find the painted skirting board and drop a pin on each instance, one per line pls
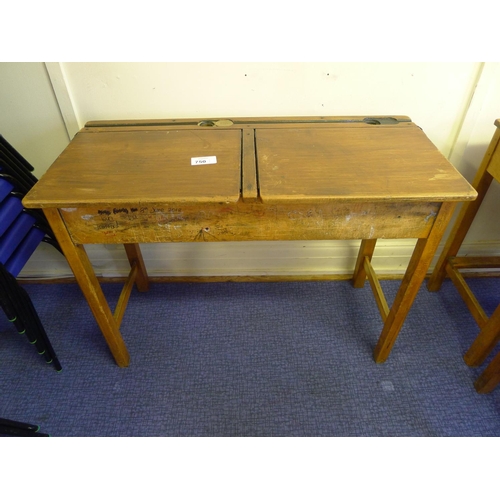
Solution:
(240, 258)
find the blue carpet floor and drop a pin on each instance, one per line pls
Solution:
(251, 359)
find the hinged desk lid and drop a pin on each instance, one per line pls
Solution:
(356, 163)
(137, 166)
(280, 160)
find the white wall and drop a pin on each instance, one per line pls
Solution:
(469, 150)
(454, 103)
(29, 114)
(435, 95)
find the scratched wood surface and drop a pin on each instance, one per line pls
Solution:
(278, 159)
(252, 121)
(248, 221)
(372, 163)
(124, 167)
(274, 179)
(249, 123)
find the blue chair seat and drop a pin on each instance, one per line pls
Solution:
(14, 235)
(21, 231)
(23, 252)
(5, 189)
(10, 208)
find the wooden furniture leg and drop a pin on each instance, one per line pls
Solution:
(378, 293)
(458, 233)
(365, 250)
(481, 183)
(485, 342)
(135, 258)
(490, 377)
(413, 278)
(85, 276)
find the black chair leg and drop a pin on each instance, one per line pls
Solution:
(15, 428)
(19, 309)
(36, 325)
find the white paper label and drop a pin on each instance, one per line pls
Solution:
(204, 160)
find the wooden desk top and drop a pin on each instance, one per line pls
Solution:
(318, 159)
(135, 166)
(357, 164)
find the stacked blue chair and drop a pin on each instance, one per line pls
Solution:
(21, 231)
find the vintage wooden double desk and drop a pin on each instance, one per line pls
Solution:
(246, 179)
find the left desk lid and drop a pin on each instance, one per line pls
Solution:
(143, 166)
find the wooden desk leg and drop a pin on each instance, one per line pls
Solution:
(86, 278)
(366, 250)
(415, 274)
(485, 342)
(135, 257)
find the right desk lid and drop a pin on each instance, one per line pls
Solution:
(356, 162)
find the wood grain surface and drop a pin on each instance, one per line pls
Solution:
(278, 160)
(280, 178)
(248, 222)
(357, 164)
(124, 167)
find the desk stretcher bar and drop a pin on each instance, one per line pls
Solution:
(247, 179)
